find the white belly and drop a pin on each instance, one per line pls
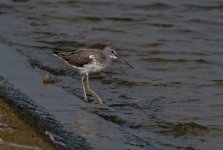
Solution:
(91, 68)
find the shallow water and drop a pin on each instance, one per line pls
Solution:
(173, 96)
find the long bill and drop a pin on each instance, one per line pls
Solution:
(125, 62)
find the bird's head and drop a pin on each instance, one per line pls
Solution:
(111, 52)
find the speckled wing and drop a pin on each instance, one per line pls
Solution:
(78, 58)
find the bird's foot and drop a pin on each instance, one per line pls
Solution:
(88, 99)
(100, 101)
(85, 99)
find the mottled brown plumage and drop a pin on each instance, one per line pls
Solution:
(77, 59)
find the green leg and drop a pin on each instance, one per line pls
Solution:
(82, 82)
(96, 95)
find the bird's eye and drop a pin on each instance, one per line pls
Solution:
(112, 52)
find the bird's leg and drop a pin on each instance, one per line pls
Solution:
(96, 95)
(82, 82)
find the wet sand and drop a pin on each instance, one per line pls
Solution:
(17, 135)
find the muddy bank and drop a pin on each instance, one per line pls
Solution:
(17, 135)
(37, 119)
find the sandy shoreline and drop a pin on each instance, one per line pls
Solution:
(15, 134)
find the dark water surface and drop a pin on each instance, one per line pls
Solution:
(172, 99)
